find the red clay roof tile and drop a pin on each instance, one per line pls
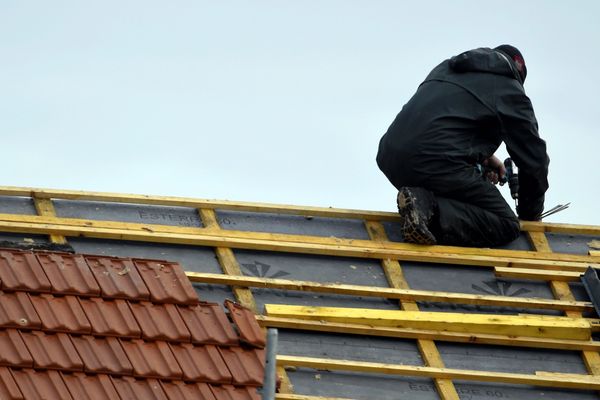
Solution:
(250, 332)
(201, 363)
(8, 387)
(102, 355)
(160, 322)
(208, 324)
(68, 274)
(151, 359)
(41, 384)
(52, 351)
(61, 313)
(131, 388)
(118, 278)
(228, 392)
(90, 387)
(110, 298)
(16, 311)
(110, 317)
(167, 282)
(246, 365)
(22, 271)
(13, 351)
(187, 391)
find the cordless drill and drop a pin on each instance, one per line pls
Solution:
(512, 177)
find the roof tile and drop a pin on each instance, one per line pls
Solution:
(246, 365)
(110, 317)
(201, 363)
(13, 351)
(93, 327)
(90, 387)
(21, 270)
(52, 351)
(68, 274)
(146, 389)
(102, 355)
(61, 313)
(16, 311)
(228, 392)
(118, 278)
(208, 323)
(187, 391)
(151, 359)
(8, 387)
(250, 332)
(160, 322)
(41, 384)
(167, 282)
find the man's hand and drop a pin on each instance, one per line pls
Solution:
(496, 168)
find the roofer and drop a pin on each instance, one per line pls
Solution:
(459, 116)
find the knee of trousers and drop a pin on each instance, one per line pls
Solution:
(511, 228)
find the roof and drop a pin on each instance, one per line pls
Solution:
(261, 254)
(76, 326)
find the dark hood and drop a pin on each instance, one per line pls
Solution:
(485, 60)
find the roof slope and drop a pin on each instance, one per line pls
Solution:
(291, 255)
(97, 327)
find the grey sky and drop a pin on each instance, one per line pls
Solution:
(270, 101)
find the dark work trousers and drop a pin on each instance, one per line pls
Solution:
(472, 212)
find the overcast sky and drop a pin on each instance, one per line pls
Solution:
(271, 101)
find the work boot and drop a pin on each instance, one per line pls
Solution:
(417, 207)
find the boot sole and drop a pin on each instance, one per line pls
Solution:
(414, 228)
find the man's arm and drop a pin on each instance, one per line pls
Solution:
(527, 149)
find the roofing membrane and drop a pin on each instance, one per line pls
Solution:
(324, 246)
(93, 327)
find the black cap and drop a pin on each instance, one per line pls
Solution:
(514, 53)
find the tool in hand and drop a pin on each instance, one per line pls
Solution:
(512, 178)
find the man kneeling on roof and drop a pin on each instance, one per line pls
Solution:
(457, 119)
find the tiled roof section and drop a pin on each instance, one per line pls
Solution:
(92, 327)
(90, 387)
(147, 389)
(250, 332)
(61, 313)
(110, 317)
(246, 366)
(52, 351)
(69, 274)
(151, 359)
(202, 363)
(188, 391)
(118, 278)
(8, 386)
(102, 355)
(208, 323)
(41, 384)
(167, 282)
(13, 351)
(160, 322)
(228, 392)
(22, 271)
(16, 311)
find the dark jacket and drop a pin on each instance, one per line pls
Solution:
(459, 116)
